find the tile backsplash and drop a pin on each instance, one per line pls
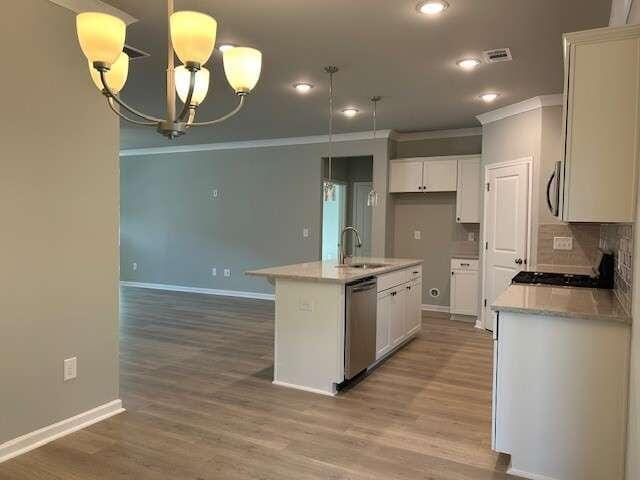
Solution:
(586, 237)
(618, 238)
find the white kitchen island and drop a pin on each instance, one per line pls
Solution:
(309, 351)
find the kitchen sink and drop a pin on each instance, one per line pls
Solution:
(363, 266)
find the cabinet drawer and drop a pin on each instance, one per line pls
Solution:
(464, 264)
(390, 280)
(414, 273)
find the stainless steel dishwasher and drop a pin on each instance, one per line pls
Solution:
(360, 326)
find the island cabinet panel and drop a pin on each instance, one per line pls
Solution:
(560, 395)
(397, 328)
(413, 310)
(383, 324)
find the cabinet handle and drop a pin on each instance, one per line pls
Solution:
(458, 219)
(408, 288)
(453, 273)
(393, 294)
(464, 264)
(416, 272)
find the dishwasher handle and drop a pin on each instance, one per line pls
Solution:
(363, 286)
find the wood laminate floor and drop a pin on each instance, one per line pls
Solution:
(196, 376)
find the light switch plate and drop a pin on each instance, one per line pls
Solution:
(227, 272)
(563, 243)
(214, 272)
(472, 236)
(305, 232)
(134, 266)
(70, 368)
(214, 193)
(417, 235)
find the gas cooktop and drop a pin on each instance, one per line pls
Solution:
(560, 279)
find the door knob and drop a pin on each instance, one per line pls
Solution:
(518, 261)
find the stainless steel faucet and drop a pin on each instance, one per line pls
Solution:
(343, 244)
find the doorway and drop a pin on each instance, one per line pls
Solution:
(353, 179)
(507, 229)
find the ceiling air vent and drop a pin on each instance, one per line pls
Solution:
(497, 55)
(134, 53)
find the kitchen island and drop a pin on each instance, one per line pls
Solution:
(310, 321)
(561, 359)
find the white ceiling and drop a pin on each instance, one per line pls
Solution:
(382, 47)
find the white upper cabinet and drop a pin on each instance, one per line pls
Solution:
(468, 198)
(601, 120)
(405, 176)
(440, 175)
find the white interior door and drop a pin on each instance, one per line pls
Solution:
(506, 227)
(362, 215)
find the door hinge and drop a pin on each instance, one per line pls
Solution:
(485, 302)
(486, 245)
(488, 187)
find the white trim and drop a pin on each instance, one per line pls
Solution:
(271, 142)
(481, 322)
(79, 6)
(431, 134)
(530, 476)
(206, 291)
(37, 438)
(435, 308)
(304, 389)
(520, 107)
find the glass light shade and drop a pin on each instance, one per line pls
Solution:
(242, 67)
(193, 36)
(116, 77)
(101, 36)
(183, 79)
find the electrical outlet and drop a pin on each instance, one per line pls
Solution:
(214, 272)
(563, 243)
(70, 368)
(134, 266)
(305, 232)
(214, 194)
(472, 236)
(227, 272)
(417, 235)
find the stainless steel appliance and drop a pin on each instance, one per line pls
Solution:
(360, 326)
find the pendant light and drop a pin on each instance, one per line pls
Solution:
(328, 187)
(372, 198)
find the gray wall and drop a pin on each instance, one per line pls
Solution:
(59, 210)
(434, 214)
(175, 233)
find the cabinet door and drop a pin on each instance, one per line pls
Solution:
(397, 329)
(383, 323)
(601, 131)
(440, 175)
(464, 292)
(405, 176)
(413, 307)
(468, 194)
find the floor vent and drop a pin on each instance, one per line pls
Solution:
(134, 53)
(497, 55)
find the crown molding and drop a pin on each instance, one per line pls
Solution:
(79, 6)
(434, 134)
(520, 107)
(271, 142)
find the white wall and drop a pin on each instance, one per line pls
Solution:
(59, 210)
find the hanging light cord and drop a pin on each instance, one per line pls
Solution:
(331, 72)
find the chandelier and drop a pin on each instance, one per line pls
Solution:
(192, 37)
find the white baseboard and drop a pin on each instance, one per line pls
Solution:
(206, 291)
(40, 437)
(435, 308)
(530, 476)
(305, 389)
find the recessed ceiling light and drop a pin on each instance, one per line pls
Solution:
(432, 7)
(489, 97)
(302, 87)
(350, 112)
(225, 47)
(468, 63)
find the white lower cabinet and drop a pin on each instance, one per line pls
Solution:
(399, 309)
(464, 287)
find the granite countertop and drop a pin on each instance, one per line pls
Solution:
(582, 303)
(329, 272)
